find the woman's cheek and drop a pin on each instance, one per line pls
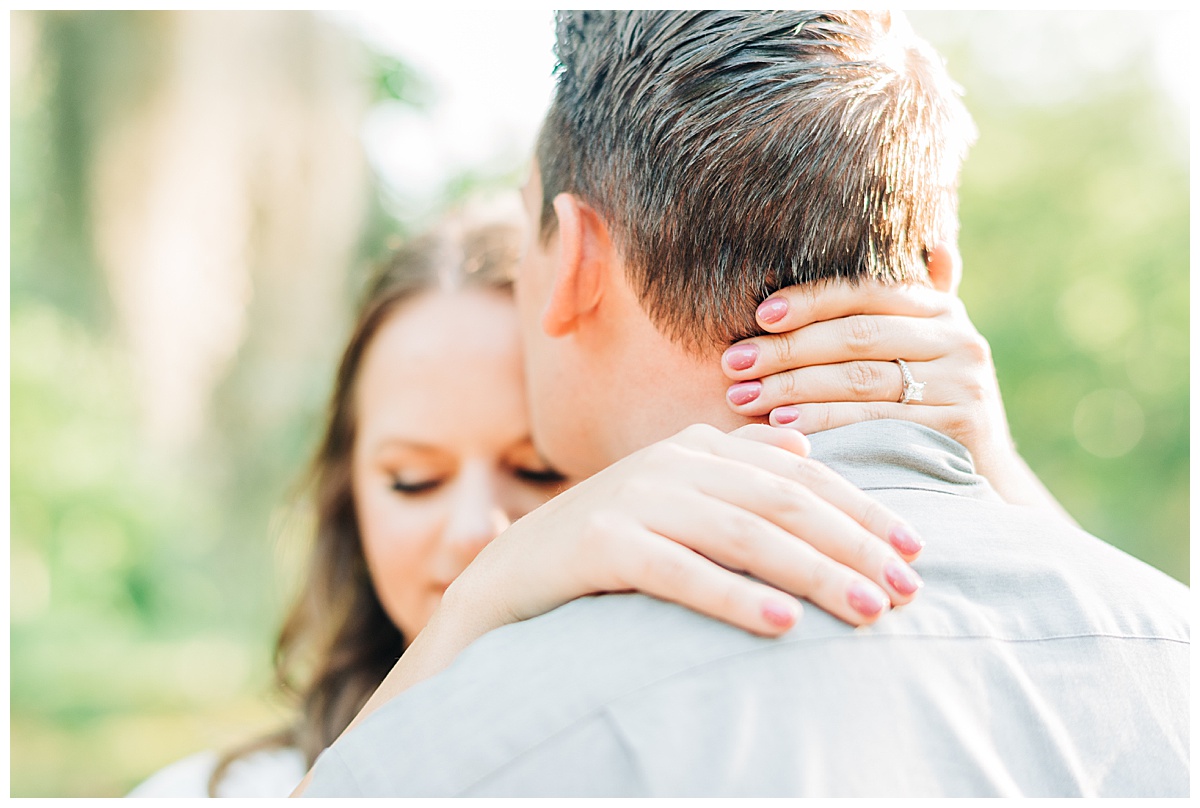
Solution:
(399, 541)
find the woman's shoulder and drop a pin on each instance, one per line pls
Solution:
(266, 773)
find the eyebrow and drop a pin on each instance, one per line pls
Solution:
(404, 443)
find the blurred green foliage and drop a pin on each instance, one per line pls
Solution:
(146, 592)
(396, 81)
(145, 597)
(1075, 243)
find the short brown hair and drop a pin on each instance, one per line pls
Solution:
(733, 153)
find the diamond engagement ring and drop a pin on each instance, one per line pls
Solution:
(913, 389)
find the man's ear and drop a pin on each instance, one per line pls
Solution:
(945, 266)
(585, 255)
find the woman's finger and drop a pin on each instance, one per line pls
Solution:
(801, 545)
(795, 443)
(798, 306)
(811, 418)
(740, 540)
(847, 382)
(768, 481)
(873, 337)
(659, 566)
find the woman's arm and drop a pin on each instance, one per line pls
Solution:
(682, 520)
(830, 361)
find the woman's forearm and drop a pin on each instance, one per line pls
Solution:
(431, 652)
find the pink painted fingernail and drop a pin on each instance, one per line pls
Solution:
(740, 357)
(744, 392)
(772, 310)
(779, 613)
(904, 540)
(902, 577)
(785, 415)
(866, 600)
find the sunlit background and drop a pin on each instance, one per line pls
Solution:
(196, 197)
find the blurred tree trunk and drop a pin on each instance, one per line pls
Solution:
(188, 200)
(226, 203)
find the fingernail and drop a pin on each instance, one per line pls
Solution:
(785, 415)
(744, 392)
(866, 600)
(779, 613)
(902, 577)
(772, 310)
(904, 540)
(740, 357)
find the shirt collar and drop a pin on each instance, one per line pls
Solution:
(900, 454)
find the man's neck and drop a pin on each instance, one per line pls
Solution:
(660, 386)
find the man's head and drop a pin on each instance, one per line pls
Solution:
(695, 162)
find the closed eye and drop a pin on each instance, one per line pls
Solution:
(415, 488)
(540, 476)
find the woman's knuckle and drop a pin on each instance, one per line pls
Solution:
(978, 349)
(876, 411)
(797, 512)
(726, 596)
(861, 553)
(668, 569)
(875, 515)
(801, 471)
(862, 334)
(779, 350)
(738, 547)
(974, 388)
(810, 474)
(957, 421)
(864, 379)
(820, 418)
(742, 529)
(786, 386)
(779, 491)
(817, 578)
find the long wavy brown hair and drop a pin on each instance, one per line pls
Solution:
(337, 642)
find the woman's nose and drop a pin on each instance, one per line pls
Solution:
(478, 515)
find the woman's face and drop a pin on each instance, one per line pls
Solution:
(442, 459)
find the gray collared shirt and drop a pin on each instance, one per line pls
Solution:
(1037, 660)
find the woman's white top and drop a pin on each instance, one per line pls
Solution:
(267, 773)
